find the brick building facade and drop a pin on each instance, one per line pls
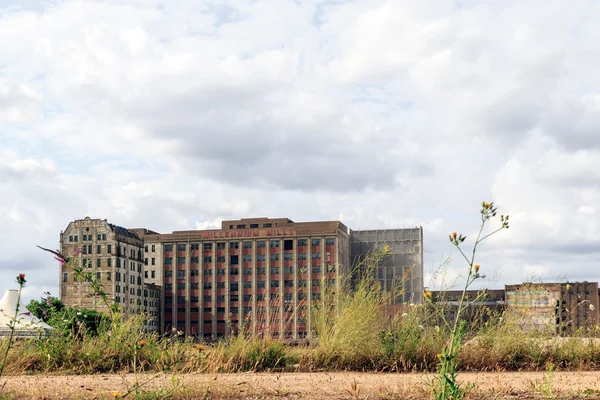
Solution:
(261, 275)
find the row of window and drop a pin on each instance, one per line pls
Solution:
(132, 291)
(235, 260)
(288, 244)
(262, 284)
(247, 310)
(88, 249)
(132, 252)
(153, 248)
(85, 238)
(86, 262)
(274, 243)
(246, 271)
(207, 299)
(152, 275)
(252, 226)
(98, 276)
(287, 297)
(235, 271)
(131, 301)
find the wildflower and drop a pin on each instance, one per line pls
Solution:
(427, 294)
(77, 251)
(60, 260)
(21, 279)
(28, 313)
(476, 267)
(456, 238)
(387, 249)
(592, 307)
(58, 255)
(404, 314)
(142, 343)
(116, 395)
(200, 347)
(79, 313)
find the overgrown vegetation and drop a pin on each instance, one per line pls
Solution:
(351, 328)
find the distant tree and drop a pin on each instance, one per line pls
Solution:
(52, 311)
(46, 308)
(77, 321)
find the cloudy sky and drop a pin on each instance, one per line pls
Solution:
(177, 114)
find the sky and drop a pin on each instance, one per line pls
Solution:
(174, 115)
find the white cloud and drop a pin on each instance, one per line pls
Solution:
(379, 113)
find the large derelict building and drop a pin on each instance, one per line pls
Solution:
(401, 271)
(260, 275)
(263, 275)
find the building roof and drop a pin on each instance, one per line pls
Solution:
(119, 230)
(27, 324)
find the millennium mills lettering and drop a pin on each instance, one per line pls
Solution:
(248, 233)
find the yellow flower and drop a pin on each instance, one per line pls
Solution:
(200, 347)
(142, 343)
(116, 395)
(476, 266)
(427, 294)
(453, 234)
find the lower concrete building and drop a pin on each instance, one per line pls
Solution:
(401, 270)
(480, 305)
(151, 307)
(564, 307)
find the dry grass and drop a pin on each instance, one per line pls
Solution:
(357, 338)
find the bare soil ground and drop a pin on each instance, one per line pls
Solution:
(322, 385)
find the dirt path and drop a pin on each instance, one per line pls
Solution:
(338, 385)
